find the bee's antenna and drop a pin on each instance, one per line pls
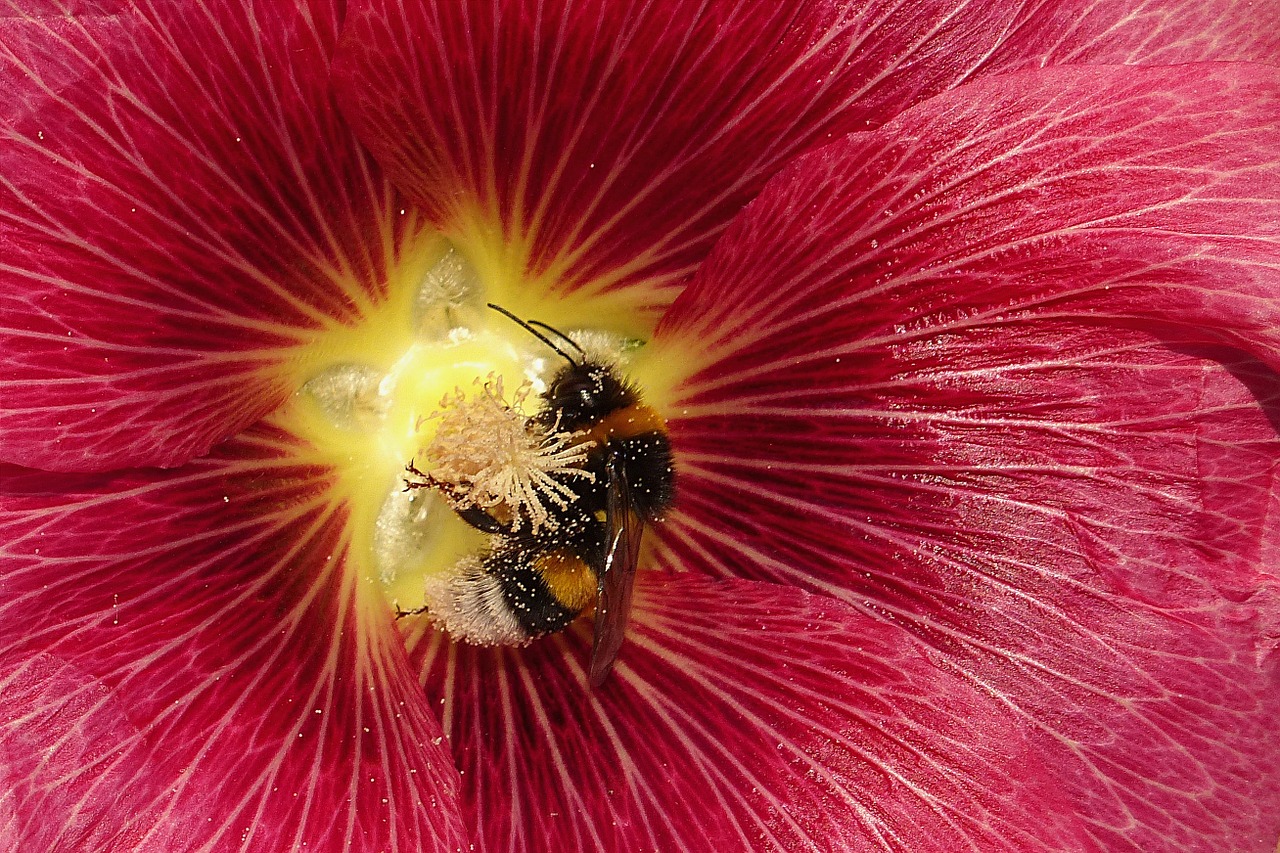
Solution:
(568, 340)
(531, 330)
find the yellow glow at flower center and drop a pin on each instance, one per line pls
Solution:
(372, 398)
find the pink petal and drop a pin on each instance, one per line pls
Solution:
(180, 211)
(605, 142)
(740, 716)
(1056, 32)
(190, 663)
(1005, 370)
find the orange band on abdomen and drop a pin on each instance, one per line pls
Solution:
(636, 419)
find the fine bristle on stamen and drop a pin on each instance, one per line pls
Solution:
(488, 454)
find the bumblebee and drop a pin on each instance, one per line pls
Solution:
(534, 579)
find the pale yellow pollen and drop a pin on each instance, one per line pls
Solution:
(487, 453)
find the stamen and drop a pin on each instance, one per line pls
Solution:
(488, 454)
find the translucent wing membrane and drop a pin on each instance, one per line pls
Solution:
(618, 574)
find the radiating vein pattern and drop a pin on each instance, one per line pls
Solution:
(1009, 378)
(741, 716)
(189, 664)
(607, 143)
(181, 210)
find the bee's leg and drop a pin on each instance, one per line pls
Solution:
(428, 482)
(473, 515)
(482, 521)
(400, 614)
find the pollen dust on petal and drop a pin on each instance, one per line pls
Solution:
(487, 453)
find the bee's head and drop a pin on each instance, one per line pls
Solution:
(583, 393)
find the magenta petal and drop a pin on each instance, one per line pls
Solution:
(609, 140)
(180, 210)
(1006, 370)
(1152, 32)
(1029, 270)
(1145, 195)
(741, 716)
(189, 664)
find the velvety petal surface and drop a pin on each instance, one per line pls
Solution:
(181, 211)
(593, 143)
(187, 662)
(1004, 370)
(740, 716)
(1139, 31)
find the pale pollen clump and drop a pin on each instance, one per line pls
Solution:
(487, 454)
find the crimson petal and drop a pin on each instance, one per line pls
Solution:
(189, 663)
(1006, 369)
(1054, 32)
(181, 209)
(605, 142)
(740, 716)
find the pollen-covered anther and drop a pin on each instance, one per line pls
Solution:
(487, 453)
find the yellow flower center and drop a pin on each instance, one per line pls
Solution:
(427, 360)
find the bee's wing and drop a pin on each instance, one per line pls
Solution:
(613, 586)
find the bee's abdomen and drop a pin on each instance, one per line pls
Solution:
(514, 595)
(544, 591)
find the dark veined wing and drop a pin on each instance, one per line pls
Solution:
(613, 585)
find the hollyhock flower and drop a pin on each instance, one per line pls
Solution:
(969, 366)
